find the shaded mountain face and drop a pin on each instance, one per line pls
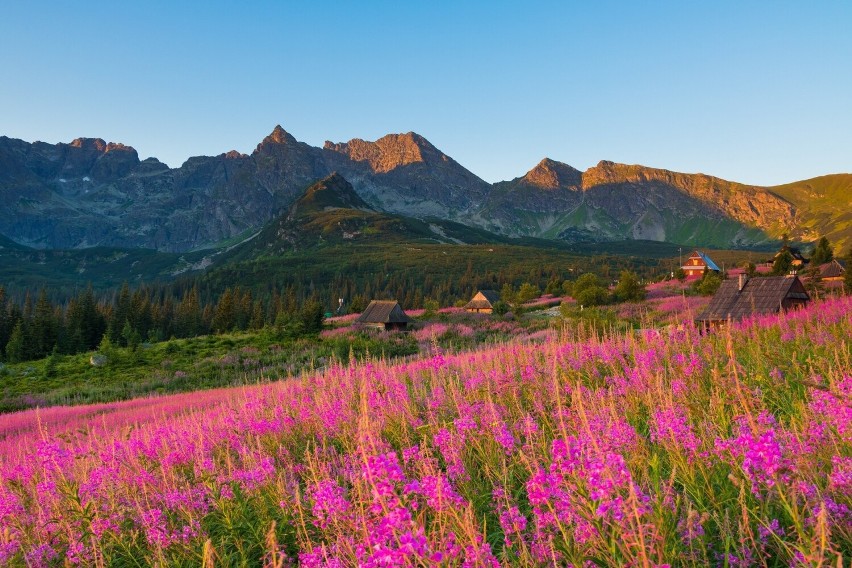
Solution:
(330, 193)
(330, 212)
(615, 201)
(90, 192)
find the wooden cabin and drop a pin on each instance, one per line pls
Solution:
(745, 297)
(833, 271)
(386, 315)
(483, 302)
(696, 264)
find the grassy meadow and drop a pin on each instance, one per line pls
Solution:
(568, 447)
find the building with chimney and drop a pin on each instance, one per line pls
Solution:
(745, 297)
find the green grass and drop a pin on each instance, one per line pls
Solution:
(180, 365)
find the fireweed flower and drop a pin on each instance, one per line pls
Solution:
(512, 521)
(330, 504)
(759, 454)
(670, 427)
(393, 487)
(450, 445)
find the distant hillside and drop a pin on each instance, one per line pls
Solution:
(616, 201)
(63, 271)
(92, 193)
(825, 208)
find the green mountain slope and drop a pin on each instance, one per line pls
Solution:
(824, 207)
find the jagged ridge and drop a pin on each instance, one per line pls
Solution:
(90, 192)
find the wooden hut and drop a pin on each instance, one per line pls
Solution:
(385, 315)
(697, 263)
(744, 297)
(483, 302)
(833, 271)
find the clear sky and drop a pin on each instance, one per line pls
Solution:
(759, 92)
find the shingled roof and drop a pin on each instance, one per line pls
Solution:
(491, 298)
(384, 311)
(833, 269)
(758, 296)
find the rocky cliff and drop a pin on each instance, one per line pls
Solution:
(90, 192)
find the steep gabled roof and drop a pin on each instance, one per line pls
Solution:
(758, 296)
(491, 295)
(477, 303)
(384, 311)
(833, 269)
(708, 261)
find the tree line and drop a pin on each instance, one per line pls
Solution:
(36, 328)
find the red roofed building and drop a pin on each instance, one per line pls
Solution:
(697, 263)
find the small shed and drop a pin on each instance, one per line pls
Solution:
(385, 315)
(483, 302)
(833, 271)
(744, 297)
(696, 264)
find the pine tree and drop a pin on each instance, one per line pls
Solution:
(44, 327)
(223, 318)
(188, 315)
(257, 316)
(16, 349)
(120, 314)
(814, 284)
(822, 252)
(140, 312)
(130, 336)
(311, 317)
(783, 263)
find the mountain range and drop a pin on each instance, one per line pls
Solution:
(92, 193)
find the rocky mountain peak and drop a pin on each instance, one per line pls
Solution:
(97, 144)
(331, 192)
(279, 136)
(550, 174)
(233, 155)
(118, 147)
(389, 152)
(607, 172)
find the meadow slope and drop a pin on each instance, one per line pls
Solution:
(646, 449)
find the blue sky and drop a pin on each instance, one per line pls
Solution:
(759, 92)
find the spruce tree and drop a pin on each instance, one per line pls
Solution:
(783, 263)
(823, 252)
(120, 314)
(16, 348)
(224, 316)
(44, 327)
